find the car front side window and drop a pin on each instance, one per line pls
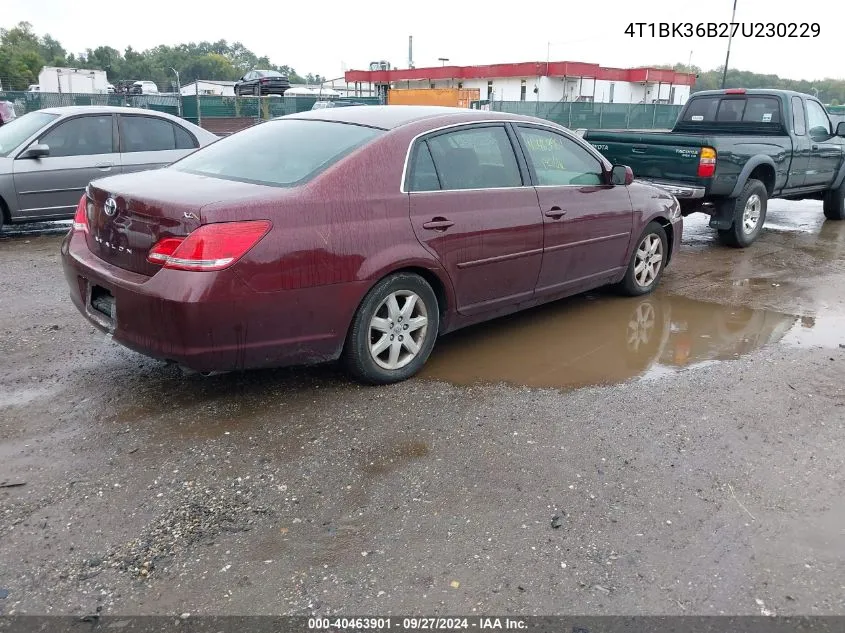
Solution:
(818, 123)
(81, 136)
(560, 161)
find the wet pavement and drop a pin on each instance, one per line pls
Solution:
(673, 454)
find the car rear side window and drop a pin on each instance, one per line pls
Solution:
(423, 174)
(799, 123)
(475, 158)
(282, 153)
(81, 136)
(151, 134)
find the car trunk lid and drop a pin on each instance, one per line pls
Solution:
(128, 215)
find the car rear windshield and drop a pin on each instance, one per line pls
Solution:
(18, 130)
(733, 109)
(281, 153)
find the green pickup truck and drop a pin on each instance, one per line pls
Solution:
(733, 150)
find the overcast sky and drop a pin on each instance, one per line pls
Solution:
(325, 36)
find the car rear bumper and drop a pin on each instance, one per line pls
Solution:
(206, 321)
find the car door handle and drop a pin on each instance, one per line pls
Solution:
(555, 213)
(104, 166)
(438, 224)
(815, 146)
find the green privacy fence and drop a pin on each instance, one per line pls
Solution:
(28, 101)
(196, 108)
(211, 106)
(635, 116)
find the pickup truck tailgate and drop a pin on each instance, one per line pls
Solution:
(654, 155)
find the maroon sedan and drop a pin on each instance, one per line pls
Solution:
(358, 233)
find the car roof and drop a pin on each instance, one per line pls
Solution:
(392, 116)
(101, 109)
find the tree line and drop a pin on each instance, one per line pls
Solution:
(828, 91)
(23, 53)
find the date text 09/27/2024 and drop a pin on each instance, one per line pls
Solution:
(724, 29)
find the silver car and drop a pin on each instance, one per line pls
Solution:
(49, 156)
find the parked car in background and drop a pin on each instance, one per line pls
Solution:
(48, 157)
(262, 82)
(732, 150)
(34, 88)
(358, 233)
(143, 88)
(7, 112)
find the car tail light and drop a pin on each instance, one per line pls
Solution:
(735, 91)
(80, 218)
(210, 247)
(707, 162)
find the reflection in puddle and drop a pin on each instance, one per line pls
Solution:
(581, 342)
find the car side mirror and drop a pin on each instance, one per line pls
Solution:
(840, 128)
(38, 150)
(621, 175)
(820, 132)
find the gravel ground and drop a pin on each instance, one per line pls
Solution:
(706, 480)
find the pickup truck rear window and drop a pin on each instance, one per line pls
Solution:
(732, 109)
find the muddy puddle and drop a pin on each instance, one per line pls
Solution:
(603, 340)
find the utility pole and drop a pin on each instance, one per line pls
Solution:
(178, 91)
(728, 56)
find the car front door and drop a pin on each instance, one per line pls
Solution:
(825, 148)
(82, 149)
(587, 222)
(148, 142)
(472, 206)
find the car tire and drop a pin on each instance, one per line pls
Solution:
(749, 214)
(378, 337)
(834, 203)
(644, 268)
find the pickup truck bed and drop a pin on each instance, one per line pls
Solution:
(731, 151)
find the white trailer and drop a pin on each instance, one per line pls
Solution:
(72, 80)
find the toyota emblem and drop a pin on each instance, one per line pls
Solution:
(110, 207)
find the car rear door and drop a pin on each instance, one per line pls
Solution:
(472, 206)
(149, 142)
(587, 222)
(82, 149)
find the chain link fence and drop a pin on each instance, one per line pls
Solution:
(232, 113)
(576, 114)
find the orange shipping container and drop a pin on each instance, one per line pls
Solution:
(451, 97)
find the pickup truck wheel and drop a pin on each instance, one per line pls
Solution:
(647, 262)
(749, 213)
(834, 203)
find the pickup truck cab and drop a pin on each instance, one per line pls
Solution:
(731, 151)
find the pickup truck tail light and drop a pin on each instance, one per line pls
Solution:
(707, 162)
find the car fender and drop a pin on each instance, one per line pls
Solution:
(751, 165)
(398, 257)
(8, 196)
(840, 177)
